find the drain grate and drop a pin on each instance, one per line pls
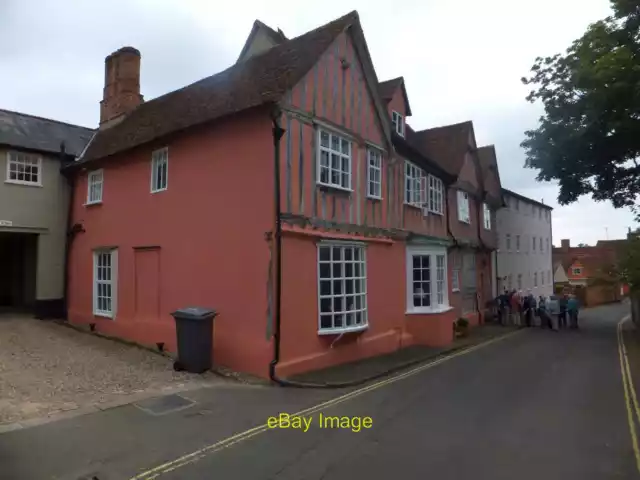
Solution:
(164, 405)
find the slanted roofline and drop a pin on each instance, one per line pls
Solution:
(511, 193)
(389, 87)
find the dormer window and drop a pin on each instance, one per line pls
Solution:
(398, 123)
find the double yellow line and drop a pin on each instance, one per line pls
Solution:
(630, 397)
(228, 442)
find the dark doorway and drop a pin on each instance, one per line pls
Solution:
(18, 260)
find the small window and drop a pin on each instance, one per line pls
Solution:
(517, 243)
(577, 270)
(541, 279)
(436, 195)
(414, 192)
(486, 213)
(342, 288)
(104, 282)
(94, 187)
(455, 273)
(24, 168)
(547, 241)
(519, 281)
(463, 207)
(398, 123)
(159, 170)
(535, 279)
(335, 161)
(533, 243)
(510, 282)
(427, 280)
(541, 246)
(374, 173)
(508, 242)
(517, 205)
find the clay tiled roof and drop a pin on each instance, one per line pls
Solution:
(488, 166)
(446, 145)
(259, 80)
(387, 88)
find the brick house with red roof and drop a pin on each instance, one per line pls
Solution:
(589, 270)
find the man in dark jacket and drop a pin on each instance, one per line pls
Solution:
(562, 317)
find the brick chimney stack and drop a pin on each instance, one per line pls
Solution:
(565, 245)
(121, 85)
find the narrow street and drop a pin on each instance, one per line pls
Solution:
(534, 405)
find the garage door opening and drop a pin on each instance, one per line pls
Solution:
(18, 260)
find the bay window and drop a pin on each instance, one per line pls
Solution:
(427, 290)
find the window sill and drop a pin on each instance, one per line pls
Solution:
(432, 311)
(340, 331)
(334, 188)
(159, 190)
(413, 205)
(103, 315)
(24, 184)
(455, 290)
(91, 204)
(466, 222)
(374, 199)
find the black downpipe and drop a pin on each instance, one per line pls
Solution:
(448, 221)
(278, 133)
(70, 177)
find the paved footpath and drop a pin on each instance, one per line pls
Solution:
(537, 404)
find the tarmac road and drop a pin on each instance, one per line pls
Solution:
(534, 405)
(537, 405)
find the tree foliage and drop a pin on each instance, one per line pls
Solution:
(589, 136)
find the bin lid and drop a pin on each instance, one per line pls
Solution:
(195, 313)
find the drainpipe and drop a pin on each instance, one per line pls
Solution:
(70, 177)
(277, 132)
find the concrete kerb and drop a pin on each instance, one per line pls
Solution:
(400, 367)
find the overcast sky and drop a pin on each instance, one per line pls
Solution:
(461, 60)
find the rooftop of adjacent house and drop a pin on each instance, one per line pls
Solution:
(446, 145)
(259, 80)
(275, 36)
(511, 193)
(20, 130)
(388, 88)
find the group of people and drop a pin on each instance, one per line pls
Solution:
(554, 312)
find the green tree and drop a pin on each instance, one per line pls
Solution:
(588, 139)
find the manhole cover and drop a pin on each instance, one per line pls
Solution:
(164, 405)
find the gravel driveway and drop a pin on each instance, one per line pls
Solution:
(47, 368)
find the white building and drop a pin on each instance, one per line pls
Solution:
(525, 242)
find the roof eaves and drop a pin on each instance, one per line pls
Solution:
(525, 199)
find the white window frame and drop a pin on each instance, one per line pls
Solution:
(414, 185)
(95, 186)
(463, 207)
(398, 123)
(486, 213)
(455, 272)
(358, 282)
(439, 297)
(341, 156)
(112, 282)
(159, 158)
(436, 195)
(374, 169)
(23, 159)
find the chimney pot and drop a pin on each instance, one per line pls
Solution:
(121, 93)
(565, 244)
